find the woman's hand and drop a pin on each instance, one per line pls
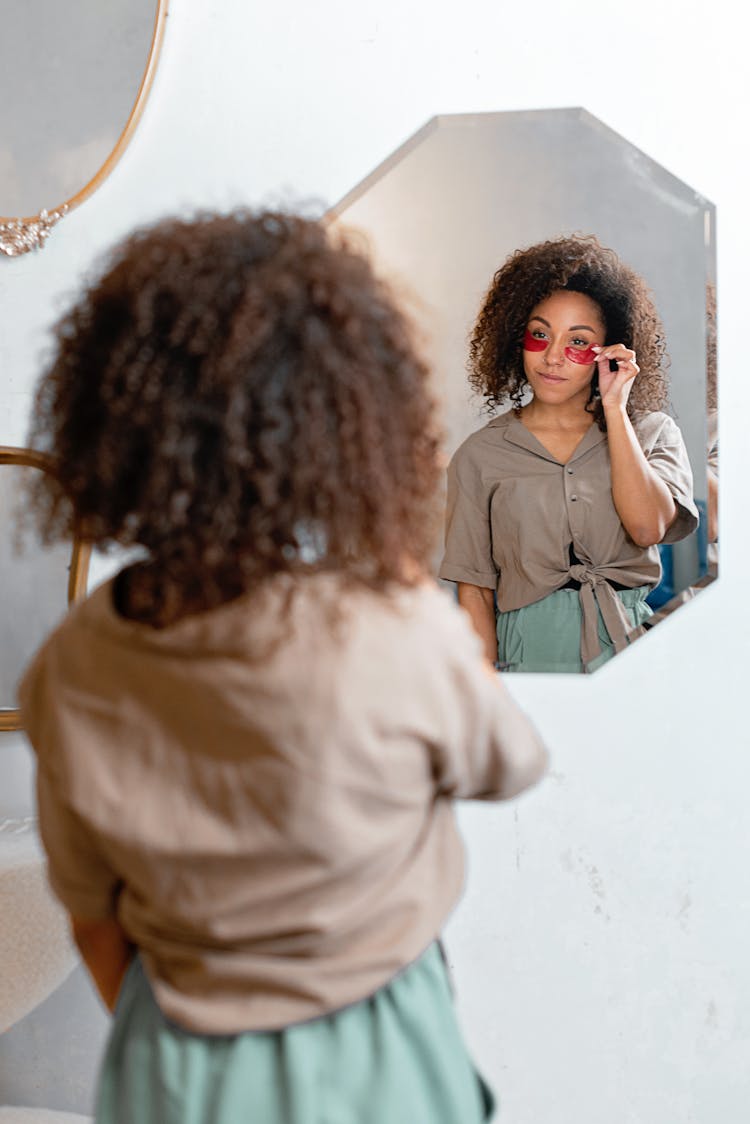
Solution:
(615, 386)
(106, 952)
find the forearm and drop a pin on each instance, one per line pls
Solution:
(643, 501)
(106, 952)
(479, 603)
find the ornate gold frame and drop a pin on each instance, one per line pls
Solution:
(20, 235)
(10, 718)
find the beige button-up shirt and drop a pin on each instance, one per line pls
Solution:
(269, 813)
(514, 511)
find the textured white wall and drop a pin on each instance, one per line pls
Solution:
(601, 949)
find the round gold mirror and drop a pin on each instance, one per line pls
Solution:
(80, 73)
(38, 583)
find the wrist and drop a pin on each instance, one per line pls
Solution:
(614, 411)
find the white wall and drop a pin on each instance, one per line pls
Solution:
(601, 949)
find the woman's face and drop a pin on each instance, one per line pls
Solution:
(557, 357)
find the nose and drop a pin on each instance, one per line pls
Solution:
(554, 356)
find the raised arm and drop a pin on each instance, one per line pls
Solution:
(643, 501)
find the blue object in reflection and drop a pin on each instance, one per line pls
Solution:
(665, 590)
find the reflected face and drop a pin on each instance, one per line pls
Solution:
(557, 357)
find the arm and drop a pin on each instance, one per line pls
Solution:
(487, 748)
(468, 559)
(106, 952)
(643, 501)
(479, 603)
(85, 883)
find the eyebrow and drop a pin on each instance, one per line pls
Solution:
(574, 328)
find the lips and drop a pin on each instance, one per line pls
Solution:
(551, 378)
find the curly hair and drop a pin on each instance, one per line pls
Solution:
(582, 265)
(239, 395)
(712, 390)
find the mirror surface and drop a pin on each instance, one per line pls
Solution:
(443, 213)
(37, 583)
(76, 75)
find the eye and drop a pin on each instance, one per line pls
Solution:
(578, 342)
(538, 333)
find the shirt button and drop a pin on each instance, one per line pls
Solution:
(570, 471)
(574, 498)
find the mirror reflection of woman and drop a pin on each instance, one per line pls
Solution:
(556, 507)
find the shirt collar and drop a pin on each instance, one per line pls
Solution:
(517, 434)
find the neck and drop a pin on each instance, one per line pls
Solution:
(567, 415)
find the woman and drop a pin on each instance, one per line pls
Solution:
(249, 742)
(556, 507)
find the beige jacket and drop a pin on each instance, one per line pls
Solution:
(273, 826)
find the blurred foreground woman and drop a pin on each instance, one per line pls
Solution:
(249, 742)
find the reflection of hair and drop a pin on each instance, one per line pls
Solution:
(581, 265)
(712, 397)
(235, 391)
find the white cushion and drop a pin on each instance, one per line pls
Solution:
(36, 951)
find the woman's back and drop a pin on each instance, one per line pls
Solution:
(265, 799)
(248, 744)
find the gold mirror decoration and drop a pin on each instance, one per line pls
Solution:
(74, 69)
(38, 583)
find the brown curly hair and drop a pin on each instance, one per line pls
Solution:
(582, 265)
(712, 390)
(239, 395)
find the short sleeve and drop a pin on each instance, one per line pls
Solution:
(491, 750)
(77, 870)
(468, 539)
(78, 873)
(668, 458)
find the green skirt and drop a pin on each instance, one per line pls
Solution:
(394, 1058)
(546, 636)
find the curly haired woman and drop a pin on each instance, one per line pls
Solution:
(249, 742)
(556, 507)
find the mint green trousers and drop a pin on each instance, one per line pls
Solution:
(546, 636)
(394, 1058)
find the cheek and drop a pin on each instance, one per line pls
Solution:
(531, 343)
(577, 355)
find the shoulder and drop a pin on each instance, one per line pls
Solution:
(436, 608)
(490, 436)
(49, 681)
(427, 613)
(655, 428)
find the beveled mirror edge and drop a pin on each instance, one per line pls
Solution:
(578, 112)
(124, 138)
(10, 718)
(668, 180)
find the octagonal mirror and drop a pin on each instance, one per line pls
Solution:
(78, 75)
(444, 212)
(38, 583)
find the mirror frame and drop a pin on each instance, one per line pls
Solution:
(337, 216)
(19, 234)
(10, 717)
